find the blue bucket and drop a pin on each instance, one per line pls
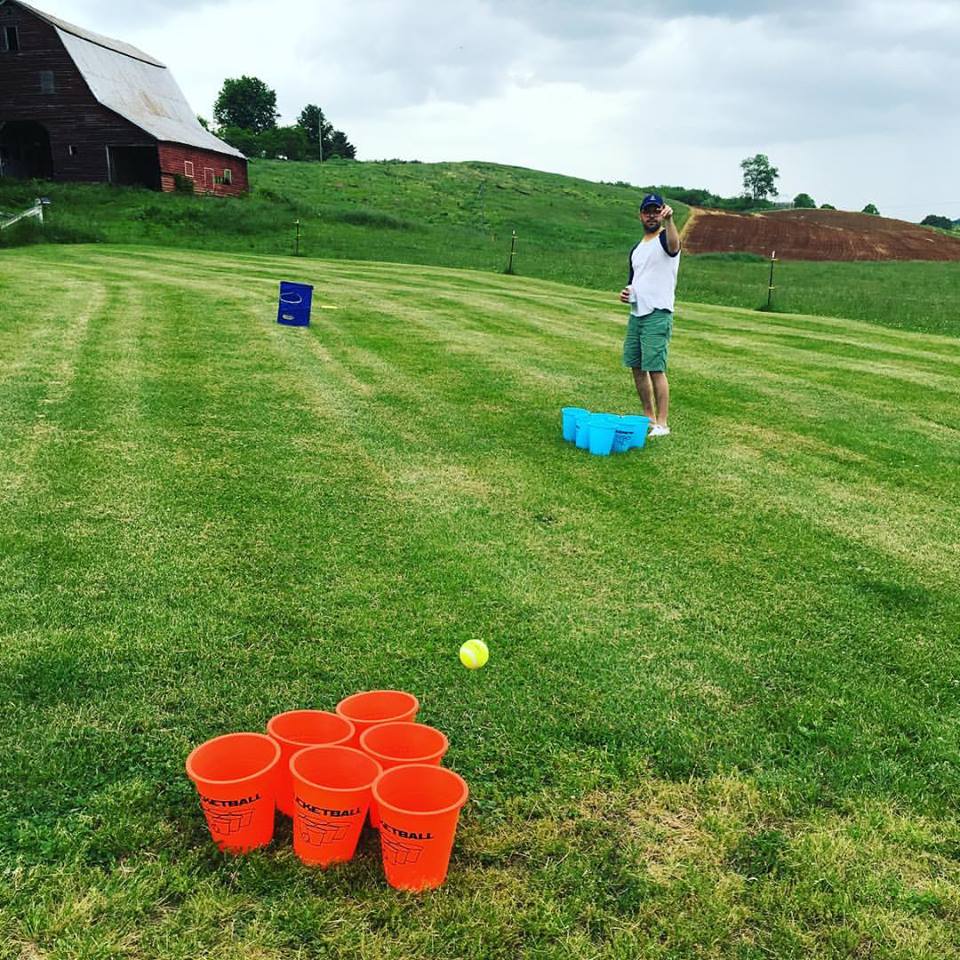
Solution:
(569, 415)
(639, 427)
(582, 436)
(622, 436)
(602, 428)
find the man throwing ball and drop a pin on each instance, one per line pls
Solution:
(650, 290)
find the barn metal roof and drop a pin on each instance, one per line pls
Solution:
(134, 85)
(90, 36)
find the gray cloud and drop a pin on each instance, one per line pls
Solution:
(141, 15)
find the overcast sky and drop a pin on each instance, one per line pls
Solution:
(854, 101)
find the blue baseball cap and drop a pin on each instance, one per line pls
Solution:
(651, 200)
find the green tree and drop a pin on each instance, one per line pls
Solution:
(246, 141)
(804, 201)
(317, 129)
(933, 220)
(871, 208)
(759, 177)
(326, 141)
(827, 206)
(285, 143)
(247, 103)
(340, 146)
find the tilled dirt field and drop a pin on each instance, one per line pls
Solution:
(816, 235)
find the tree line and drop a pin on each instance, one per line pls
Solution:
(759, 183)
(759, 190)
(759, 178)
(245, 114)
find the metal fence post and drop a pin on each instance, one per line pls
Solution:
(513, 250)
(773, 260)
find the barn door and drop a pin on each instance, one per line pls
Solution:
(134, 165)
(208, 178)
(25, 150)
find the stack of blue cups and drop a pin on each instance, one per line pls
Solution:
(603, 433)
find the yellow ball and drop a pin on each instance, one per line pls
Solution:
(474, 654)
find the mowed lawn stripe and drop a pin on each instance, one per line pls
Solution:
(40, 348)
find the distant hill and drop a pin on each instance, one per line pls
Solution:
(817, 235)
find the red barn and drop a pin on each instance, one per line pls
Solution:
(78, 106)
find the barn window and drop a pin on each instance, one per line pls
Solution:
(46, 81)
(188, 168)
(9, 40)
(227, 175)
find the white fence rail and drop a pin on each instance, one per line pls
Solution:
(8, 220)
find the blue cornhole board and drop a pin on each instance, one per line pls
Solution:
(294, 307)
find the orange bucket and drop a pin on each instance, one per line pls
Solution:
(419, 807)
(297, 729)
(394, 744)
(364, 710)
(331, 796)
(236, 777)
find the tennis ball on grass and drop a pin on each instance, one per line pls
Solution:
(474, 654)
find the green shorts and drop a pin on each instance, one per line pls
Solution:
(647, 340)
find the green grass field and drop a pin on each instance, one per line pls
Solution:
(909, 295)
(721, 714)
(462, 215)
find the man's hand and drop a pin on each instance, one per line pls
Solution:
(625, 295)
(670, 230)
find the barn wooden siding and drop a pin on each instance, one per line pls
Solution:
(208, 170)
(71, 115)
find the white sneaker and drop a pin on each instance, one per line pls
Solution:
(659, 430)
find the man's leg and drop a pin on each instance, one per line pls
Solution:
(661, 392)
(645, 389)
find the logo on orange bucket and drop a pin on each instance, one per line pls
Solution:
(319, 832)
(327, 811)
(406, 835)
(400, 853)
(227, 823)
(242, 802)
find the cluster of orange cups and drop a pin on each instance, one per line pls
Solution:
(328, 771)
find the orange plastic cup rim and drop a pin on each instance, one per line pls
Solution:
(323, 786)
(405, 761)
(429, 770)
(198, 778)
(309, 743)
(343, 705)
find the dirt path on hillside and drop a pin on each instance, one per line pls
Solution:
(688, 224)
(815, 235)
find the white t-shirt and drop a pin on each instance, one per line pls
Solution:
(653, 276)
